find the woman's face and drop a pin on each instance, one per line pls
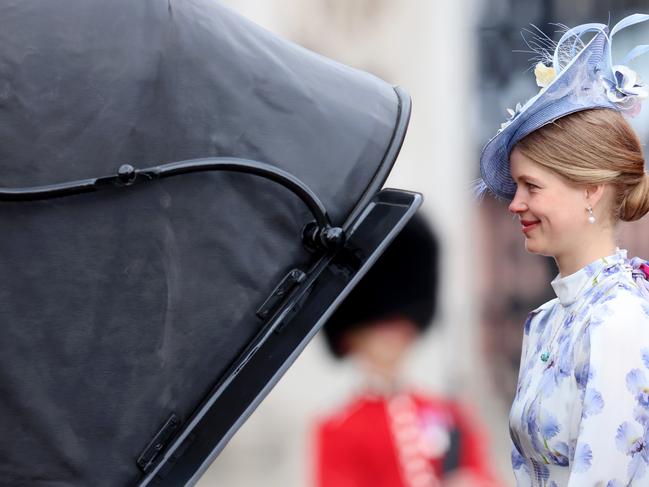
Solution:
(552, 211)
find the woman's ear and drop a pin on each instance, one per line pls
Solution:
(595, 193)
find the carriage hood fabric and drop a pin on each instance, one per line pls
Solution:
(121, 307)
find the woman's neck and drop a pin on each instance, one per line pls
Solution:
(571, 261)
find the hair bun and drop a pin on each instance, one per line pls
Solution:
(636, 201)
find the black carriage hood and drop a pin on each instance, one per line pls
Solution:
(86, 86)
(123, 308)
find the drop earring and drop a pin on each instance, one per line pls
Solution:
(591, 217)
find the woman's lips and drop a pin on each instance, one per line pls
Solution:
(529, 225)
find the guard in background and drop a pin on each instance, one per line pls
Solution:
(390, 435)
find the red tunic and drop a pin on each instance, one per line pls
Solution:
(401, 441)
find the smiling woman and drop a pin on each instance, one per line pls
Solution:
(584, 168)
(573, 168)
(592, 147)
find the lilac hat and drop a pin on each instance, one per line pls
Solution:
(575, 77)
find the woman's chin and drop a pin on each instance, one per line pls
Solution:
(533, 247)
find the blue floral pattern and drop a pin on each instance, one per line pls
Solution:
(581, 412)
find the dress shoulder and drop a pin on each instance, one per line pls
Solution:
(537, 318)
(545, 306)
(624, 304)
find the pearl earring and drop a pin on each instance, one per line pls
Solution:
(591, 217)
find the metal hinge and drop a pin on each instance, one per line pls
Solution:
(290, 280)
(146, 459)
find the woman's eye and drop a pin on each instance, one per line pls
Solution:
(532, 186)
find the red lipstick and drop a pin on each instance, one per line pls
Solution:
(529, 225)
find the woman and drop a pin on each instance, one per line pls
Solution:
(573, 168)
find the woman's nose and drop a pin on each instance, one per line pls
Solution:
(517, 205)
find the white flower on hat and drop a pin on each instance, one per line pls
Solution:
(513, 113)
(625, 89)
(544, 74)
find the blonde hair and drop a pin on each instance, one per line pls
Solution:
(593, 147)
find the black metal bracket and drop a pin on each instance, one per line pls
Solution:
(324, 236)
(292, 279)
(147, 458)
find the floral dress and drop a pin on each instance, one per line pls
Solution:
(581, 412)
